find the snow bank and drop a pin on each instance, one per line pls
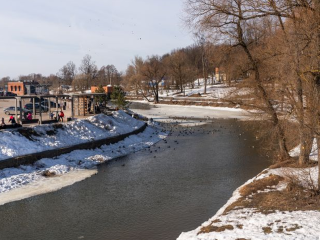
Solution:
(45, 137)
(249, 224)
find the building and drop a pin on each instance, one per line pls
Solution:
(107, 89)
(219, 76)
(16, 87)
(27, 87)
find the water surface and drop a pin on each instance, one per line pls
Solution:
(154, 194)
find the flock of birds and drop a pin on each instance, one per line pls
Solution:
(175, 130)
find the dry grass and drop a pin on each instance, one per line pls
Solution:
(259, 185)
(212, 228)
(195, 95)
(48, 173)
(291, 199)
(267, 230)
(293, 163)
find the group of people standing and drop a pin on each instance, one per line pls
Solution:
(59, 116)
(28, 117)
(12, 120)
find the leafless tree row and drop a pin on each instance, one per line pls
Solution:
(81, 78)
(174, 70)
(279, 44)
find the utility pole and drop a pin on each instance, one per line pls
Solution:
(204, 63)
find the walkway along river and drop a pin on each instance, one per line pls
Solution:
(154, 194)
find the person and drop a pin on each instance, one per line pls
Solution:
(61, 115)
(2, 123)
(89, 106)
(51, 115)
(25, 115)
(12, 120)
(29, 116)
(97, 110)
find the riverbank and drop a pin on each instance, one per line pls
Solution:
(272, 205)
(27, 180)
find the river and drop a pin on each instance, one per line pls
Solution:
(153, 194)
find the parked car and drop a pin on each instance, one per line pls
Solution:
(52, 104)
(9, 94)
(29, 106)
(11, 110)
(45, 102)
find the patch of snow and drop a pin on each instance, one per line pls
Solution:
(249, 224)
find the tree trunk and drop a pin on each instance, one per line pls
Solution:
(156, 94)
(283, 150)
(305, 145)
(282, 142)
(317, 15)
(318, 147)
(204, 74)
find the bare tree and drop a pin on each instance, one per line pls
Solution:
(67, 73)
(180, 68)
(201, 42)
(133, 76)
(234, 21)
(80, 82)
(88, 69)
(4, 81)
(153, 71)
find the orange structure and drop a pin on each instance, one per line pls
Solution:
(27, 87)
(16, 87)
(107, 89)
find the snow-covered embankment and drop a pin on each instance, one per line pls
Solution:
(29, 180)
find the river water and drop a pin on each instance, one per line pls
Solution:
(154, 194)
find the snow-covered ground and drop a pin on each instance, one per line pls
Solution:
(49, 136)
(26, 181)
(215, 91)
(163, 112)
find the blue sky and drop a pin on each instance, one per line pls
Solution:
(40, 36)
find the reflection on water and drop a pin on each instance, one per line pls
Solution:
(154, 194)
(140, 105)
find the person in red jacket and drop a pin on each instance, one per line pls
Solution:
(61, 116)
(12, 120)
(29, 116)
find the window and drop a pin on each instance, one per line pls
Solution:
(15, 88)
(11, 88)
(19, 88)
